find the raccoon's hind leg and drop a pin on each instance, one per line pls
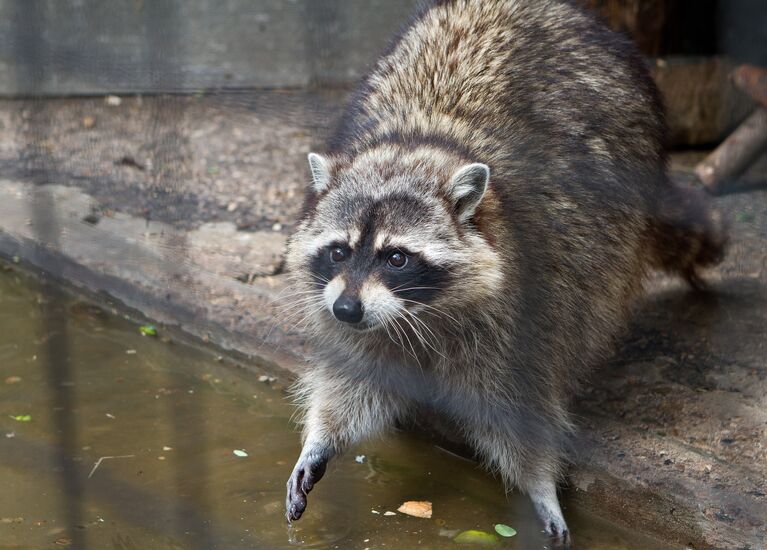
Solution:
(339, 413)
(688, 234)
(542, 490)
(532, 468)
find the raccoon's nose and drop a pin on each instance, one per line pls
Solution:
(348, 309)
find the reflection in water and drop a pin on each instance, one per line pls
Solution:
(176, 414)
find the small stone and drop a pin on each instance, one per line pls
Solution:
(113, 100)
(11, 520)
(359, 459)
(232, 206)
(88, 122)
(13, 380)
(415, 508)
(277, 227)
(390, 513)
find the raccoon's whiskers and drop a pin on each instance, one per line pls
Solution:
(434, 310)
(308, 313)
(407, 338)
(293, 310)
(398, 289)
(424, 333)
(386, 323)
(305, 307)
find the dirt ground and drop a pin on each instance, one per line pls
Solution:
(184, 160)
(681, 410)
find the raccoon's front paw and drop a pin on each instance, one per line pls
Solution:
(557, 530)
(308, 471)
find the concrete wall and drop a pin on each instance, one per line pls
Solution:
(97, 46)
(60, 47)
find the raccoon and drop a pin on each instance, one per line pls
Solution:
(476, 232)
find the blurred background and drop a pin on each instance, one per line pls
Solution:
(283, 65)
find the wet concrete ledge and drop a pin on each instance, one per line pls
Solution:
(673, 438)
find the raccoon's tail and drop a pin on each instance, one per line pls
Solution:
(689, 235)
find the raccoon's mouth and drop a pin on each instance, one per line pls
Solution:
(362, 326)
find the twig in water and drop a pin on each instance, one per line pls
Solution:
(98, 462)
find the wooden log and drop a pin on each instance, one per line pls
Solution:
(702, 103)
(735, 154)
(752, 80)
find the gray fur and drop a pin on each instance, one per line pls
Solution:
(539, 267)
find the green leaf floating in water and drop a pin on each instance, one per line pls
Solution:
(22, 418)
(148, 330)
(505, 530)
(473, 536)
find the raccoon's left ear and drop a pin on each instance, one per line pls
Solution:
(467, 187)
(320, 172)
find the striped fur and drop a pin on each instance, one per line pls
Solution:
(529, 279)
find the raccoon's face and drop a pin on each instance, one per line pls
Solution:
(379, 248)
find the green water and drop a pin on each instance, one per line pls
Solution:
(173, 415)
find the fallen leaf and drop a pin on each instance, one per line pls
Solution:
(415, 508)
(505, 530)
(148, 330)
(473, 536)
(22, 418)
(13, 380)
(240, 453)
(88, 121)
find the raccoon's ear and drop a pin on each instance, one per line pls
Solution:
(320, 172)
(467, 187)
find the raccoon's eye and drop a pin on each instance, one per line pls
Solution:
(338, 254)
(397, 260)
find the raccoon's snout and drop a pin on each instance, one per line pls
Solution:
(348, 309)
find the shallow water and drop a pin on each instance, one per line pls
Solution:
(172, 415)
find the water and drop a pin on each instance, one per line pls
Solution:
(172, 414)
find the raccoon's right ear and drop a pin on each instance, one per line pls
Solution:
(467, 187)
(320, 172)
